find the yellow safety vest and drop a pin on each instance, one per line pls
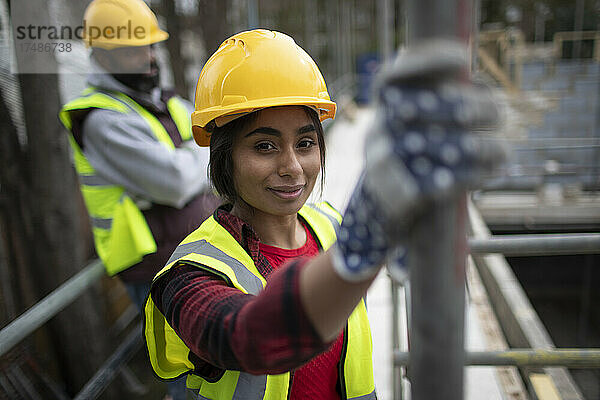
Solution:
(212, 248)
(121, 233)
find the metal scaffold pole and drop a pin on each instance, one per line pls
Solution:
(437, 248)
(385, 28)
(253, 20)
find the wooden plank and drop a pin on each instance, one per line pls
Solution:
(544, 387)
(508, 377)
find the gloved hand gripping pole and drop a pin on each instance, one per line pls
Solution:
(432, 145)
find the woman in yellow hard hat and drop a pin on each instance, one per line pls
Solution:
(265, 299)
(260, 101)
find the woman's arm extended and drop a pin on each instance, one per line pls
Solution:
(327, 299)
(226, 329)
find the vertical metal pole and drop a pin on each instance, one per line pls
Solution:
(541, 13)
(384, 15)
(437, 249)
(578, 27)
(345, 40)
(252, 14)
(437, 283)
(352, 43)
(476, 21)
(339, 47)
(310, 15)
(396, 369)
(8, 295)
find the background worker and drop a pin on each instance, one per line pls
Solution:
(265, 299)
(142, 178)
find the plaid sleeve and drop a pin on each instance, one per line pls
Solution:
(227, 329)
(272, 332)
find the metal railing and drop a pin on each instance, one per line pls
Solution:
(508, 245)
(105, 375)
(534, 245)
(571, 358)
(51, 305)
(48, 307)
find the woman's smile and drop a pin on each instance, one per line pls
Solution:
(287, 192)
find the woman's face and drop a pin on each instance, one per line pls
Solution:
(276, 160)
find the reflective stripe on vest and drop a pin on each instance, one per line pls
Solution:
(236, 385)
(370, 396)
(250, 282)
(212, 248)
(121, 234)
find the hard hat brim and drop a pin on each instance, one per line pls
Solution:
(200, 119)
(109, 44)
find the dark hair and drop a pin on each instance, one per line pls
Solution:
(220, 166)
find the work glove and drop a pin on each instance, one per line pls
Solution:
(423, 149)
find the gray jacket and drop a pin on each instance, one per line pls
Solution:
(123, 150)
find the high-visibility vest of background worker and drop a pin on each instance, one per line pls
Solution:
(142, 177)
(265, 299)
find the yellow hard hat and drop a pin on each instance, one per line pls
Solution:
(253, 70)
(109, 24)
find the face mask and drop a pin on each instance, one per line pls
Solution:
(144, 82)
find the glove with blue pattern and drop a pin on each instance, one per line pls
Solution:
(423, 150)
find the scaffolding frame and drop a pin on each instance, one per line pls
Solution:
(542, 353)
(438, 259)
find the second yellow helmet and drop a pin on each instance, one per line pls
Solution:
(109, 24)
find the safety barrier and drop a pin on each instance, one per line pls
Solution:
(542, 353)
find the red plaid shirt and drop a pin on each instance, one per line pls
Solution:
(227, 329)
